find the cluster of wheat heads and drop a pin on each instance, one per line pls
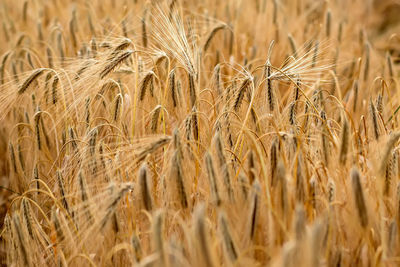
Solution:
(199, 133)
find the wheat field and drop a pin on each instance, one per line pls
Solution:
(199, 133)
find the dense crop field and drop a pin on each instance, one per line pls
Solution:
(199, 133)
